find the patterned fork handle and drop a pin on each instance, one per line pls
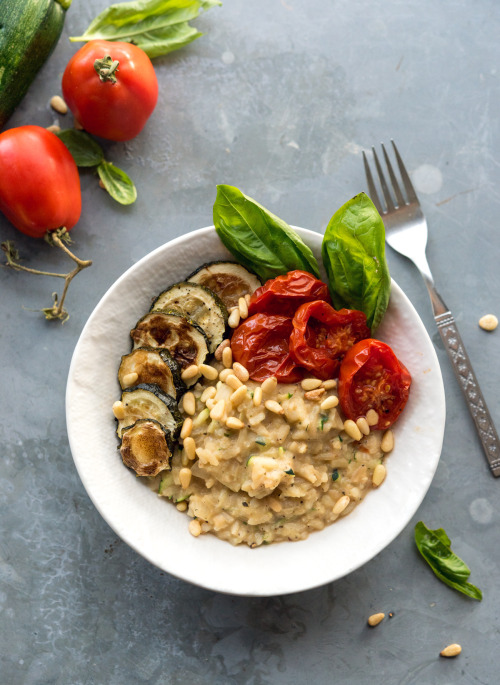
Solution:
(466, 377)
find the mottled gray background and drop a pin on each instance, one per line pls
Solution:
(278, 98)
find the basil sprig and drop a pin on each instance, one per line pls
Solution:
(156, 26)
(435, 547)
(259, 240)
(88, 153)
(353, 252)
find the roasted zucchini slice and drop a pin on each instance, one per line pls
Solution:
(152, 366)
(229, 280)
(199, 304)
(145, 448)
(185, 340)
(146, 401)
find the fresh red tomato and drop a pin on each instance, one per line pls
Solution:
(322, 335)
(39, 181)
(260, 343)
(284, 294)
(110, 101)
(372, 377)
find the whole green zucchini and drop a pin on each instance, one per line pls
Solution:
(29, 33)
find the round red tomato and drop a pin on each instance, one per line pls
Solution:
(111, 88)
(284, 294)
(321, 336)
(260, 343)
(372, 377)
(39, 181)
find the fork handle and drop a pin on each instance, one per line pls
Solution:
(466, 377)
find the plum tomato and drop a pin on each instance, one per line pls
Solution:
(322, 335)
(260, 343)
(284, 294)
(372, 377)
(111, 88)
(39, 183)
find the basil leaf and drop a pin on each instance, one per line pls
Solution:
(353, 252)
(156, 26)
(117, 183)
(258, 239)
(435, 547)
(84, 149)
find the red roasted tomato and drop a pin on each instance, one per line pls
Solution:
(372, 377)
(39, 181)
(284, 294)
(260, 343)
(322, 335)
(110, 100)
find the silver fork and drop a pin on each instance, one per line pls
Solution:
(406, 232)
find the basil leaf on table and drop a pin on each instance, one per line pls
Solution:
(84, 150)
(117, 183)
(156, 26)
(435, 547)
(353, 252)
(258, 239)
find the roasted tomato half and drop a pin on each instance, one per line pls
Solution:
(372, 377)
(284, 294)
(322, 335)
(261, 344)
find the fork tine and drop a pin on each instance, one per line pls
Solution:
(371, 186)
(410, 190)
(387, 196)
(395, 185)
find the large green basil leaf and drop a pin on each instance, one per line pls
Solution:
(156, 26)
(258, 239)
(85, 150)
(353, 253)
(118, 184)
(435, 547)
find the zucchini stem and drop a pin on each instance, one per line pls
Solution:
(56, 311)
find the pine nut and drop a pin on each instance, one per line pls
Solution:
(269, 385)
(387, 444)
(227, 357)
(189, 403)
(363, 426)
(379, 473)
(275, 505)
(58, 104)
(248, 297)
(488, 322)
(119, 410)
(218, 411)
(218, 352)
(209, 372)
(375, 619)
(314, 394)
(352, 430)
(211, 402)
(273, 406)
(372, 417)
(195, 528)
(311, 383)
(185, 478)
(240, 372)
(451, 650)
(224, 374)
(233, 381)
(190, 448)
(234, 423)
(239, 395)
(189, 372)
(181, 506)
(234, 318)
(257, 396)
(329, 403)
(54, 128)
(130, 379)
(208, 393)
(330, 384)
(341, 504)
(186, 429)
(243, 307)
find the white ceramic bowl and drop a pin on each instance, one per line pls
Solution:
(156, 530)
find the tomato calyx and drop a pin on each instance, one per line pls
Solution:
(106, 68)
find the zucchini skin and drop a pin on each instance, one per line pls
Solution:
(31, 29)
